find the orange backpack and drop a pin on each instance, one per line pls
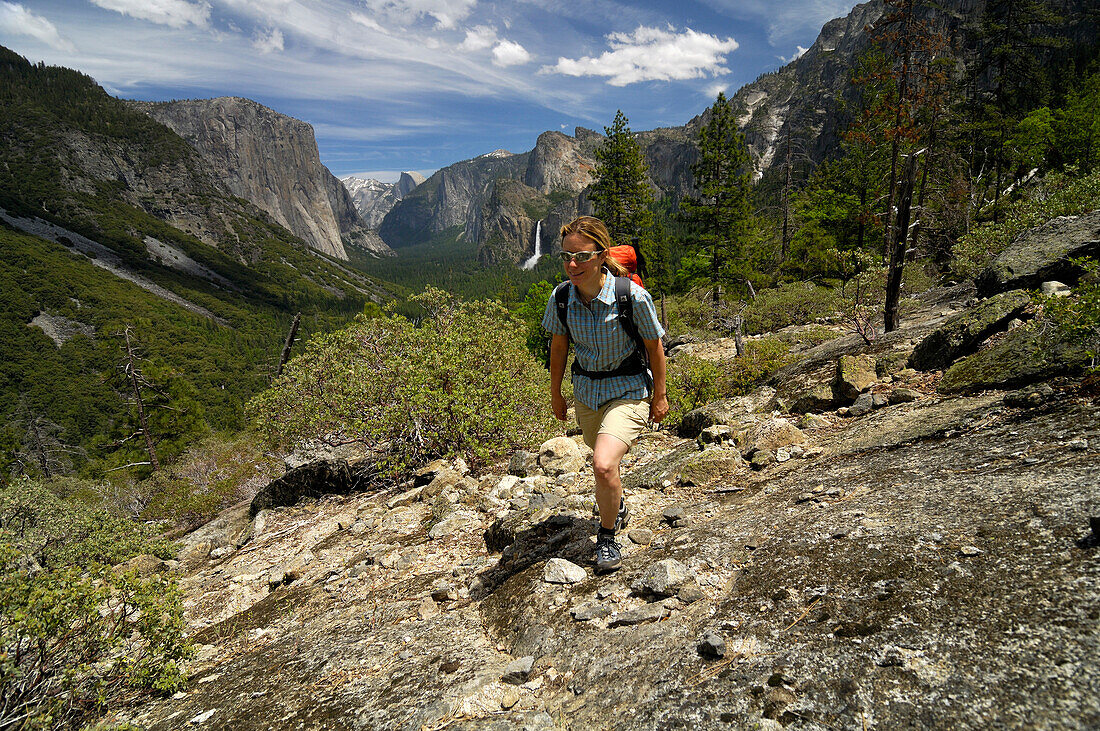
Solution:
(626, 256)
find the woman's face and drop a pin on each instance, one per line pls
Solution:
(588, 272)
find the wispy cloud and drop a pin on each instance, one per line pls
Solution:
(173, 13)
(445, 13)
(652, 54)
(17, 20)
(790, 21)
(269, 42)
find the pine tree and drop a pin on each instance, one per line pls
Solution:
(621, 194)
(719, 211)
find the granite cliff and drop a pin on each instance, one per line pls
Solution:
(271, 160)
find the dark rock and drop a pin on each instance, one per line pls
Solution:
(776, 701)
(1031, 396)
(762, 458)
(524, 464)
(961, 334)
(308, 481)
(817, 399)
(1043, 253)
(1025, 355)
(690, 593)
(673, 513)
(878, 400)
(711, 644)
(862, 405)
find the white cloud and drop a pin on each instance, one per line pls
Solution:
(509, 53)
(173, 13)
(16, 19)
(269, 42)
(798, 52)
(446, 13)
(652, 54)
(479, 38)
(714, 90)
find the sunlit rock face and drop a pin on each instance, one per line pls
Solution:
(270, 160)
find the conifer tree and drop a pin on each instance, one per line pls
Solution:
(621, 194)
(719, 211)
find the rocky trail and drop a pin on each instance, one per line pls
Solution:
(848, 547)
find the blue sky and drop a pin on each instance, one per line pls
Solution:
(392, 85)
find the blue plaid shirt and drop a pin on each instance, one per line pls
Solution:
(601, 344)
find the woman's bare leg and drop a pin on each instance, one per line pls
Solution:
(606, 456)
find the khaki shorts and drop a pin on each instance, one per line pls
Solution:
(623, 418)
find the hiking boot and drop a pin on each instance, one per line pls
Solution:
(608, 555)
(623, 518)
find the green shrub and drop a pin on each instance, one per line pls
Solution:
(461, 383)
(691, 382)
(794, 303)
(1060, 194)
(79, 638)
(1076, 318)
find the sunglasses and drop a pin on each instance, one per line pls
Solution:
(580, 257)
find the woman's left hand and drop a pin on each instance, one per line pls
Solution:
(658, 409)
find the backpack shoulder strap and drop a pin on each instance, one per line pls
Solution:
(561, 303)
(626, 312)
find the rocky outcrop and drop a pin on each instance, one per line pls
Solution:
(509, 218)
(268, 159)
(559, 163)
(1024, 355)
(1043, 253)
(962, 334)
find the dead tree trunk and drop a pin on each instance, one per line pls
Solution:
(899, 242)
(285, 355)
(135, 382)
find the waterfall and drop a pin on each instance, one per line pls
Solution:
(530, 263)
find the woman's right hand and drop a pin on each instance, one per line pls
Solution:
(557, 403)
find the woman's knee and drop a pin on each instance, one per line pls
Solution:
(606, 466)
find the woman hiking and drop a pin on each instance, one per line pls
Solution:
(616, 394)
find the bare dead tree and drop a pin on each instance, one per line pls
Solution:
(133, 374)
(285, 355)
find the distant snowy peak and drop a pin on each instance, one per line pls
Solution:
(374, 199)
(498, 153)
